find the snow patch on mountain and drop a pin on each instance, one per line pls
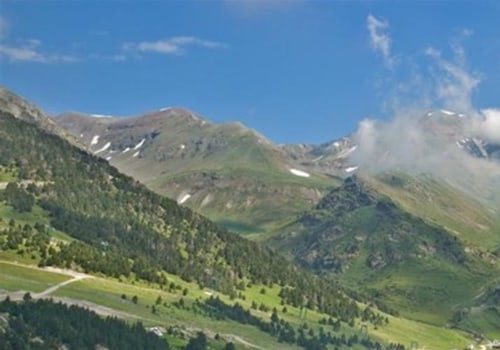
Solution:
(136, 154)
(208, 198)
(105, 147)
(165, 109)
(345, 153)
(444, 111)
(183, 198)
(351, 169)
(139, 145)
(101, 116)
(126, 150)
(95, 140)
(299, 173)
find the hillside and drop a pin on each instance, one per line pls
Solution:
(226, 171)
(64, 207)
(416, 267)
(441, 204)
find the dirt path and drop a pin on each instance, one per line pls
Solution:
(238, 339)
(52, 289)
(99, 309)
(76, 276)
(46, 294)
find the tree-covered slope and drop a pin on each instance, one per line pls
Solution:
(367, 240)
(122, 228)
(45, 325)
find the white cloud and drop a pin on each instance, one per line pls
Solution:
(419, 142)
(454, 84)
(380, 40)
(27, 50)
(29, 53)
(173, 46)
(489, 126)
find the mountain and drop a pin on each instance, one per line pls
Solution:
(366, 239)
(439, 203)
(64, 207)
(400, 254)
(455, 127)
(248, 184)
(226, 171)
(22, 109)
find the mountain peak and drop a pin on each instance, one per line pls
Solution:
(28, 112)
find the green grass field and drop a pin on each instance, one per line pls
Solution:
(19, 278)
(108, 292)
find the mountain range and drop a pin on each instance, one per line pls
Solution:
(384, 218)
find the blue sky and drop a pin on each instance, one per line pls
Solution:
(297, 71)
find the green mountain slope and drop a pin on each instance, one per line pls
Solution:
(62, 206)
(439, 203)
(226, 171)
(482, 314)
(112, 226)
(415, 267)
(92, 202)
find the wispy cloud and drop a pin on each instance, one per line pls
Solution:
(380, 40)
(420, 142)
(173, 46)
(27, 50)
(31, 53)
(454, 82)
